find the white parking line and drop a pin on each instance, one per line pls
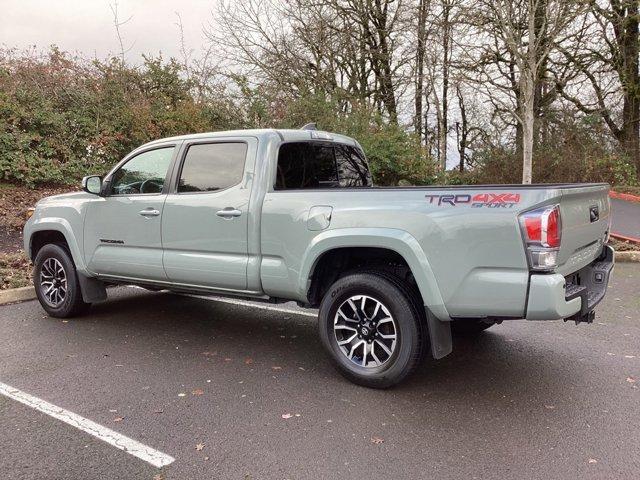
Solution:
(246, 303)
(137, 449)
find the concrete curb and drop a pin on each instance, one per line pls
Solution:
(14, 295)
(624, 196)
(625, 257)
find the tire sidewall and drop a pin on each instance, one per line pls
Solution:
(401, 310)
(73, 289)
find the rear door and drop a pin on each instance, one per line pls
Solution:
(122, 229)
(206, 215)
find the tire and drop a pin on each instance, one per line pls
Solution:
(53, 269)
(469, 328)
(364, 360)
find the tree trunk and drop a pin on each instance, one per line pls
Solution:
(444, 127)
(528, 74)
(420, 51)
(463, 130)
(630, 138)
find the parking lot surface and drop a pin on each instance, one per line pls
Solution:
(234, 392)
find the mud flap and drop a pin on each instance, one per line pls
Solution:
(439, 336)
(93, 290)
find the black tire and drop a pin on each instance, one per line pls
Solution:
(407, 327)
(469, 328)
(71, 304)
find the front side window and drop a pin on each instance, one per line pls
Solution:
(212, 166)
(144, 173)
(304, 165)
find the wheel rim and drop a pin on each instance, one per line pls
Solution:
(53, 282)
(365, 331)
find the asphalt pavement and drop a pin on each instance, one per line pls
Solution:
(235, 392)
(625, 218)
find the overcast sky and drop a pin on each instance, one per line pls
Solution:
(86, 26)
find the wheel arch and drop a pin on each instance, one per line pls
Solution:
(395, 243)
(53, 231)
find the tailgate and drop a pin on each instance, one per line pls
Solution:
(585, 212)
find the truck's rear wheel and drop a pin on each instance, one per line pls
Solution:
(56, 282)
(371, 328)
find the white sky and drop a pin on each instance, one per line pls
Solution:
(86, 26)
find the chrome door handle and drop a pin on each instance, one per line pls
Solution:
(229, 213)
(149, 212)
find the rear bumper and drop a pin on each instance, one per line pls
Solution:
(554, 297)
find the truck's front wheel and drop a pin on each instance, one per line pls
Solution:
(56, 282)
(372, 329)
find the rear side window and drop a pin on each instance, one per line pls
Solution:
(212, 166)
(353, 170)
(313, 165)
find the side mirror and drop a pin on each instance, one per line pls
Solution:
(92, 184)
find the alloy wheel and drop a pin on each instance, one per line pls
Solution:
(53, 282)
(365, 330)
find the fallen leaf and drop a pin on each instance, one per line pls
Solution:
(197, 391)
(286, 415)
(631, 380)
(377, 440)
(158, 477)
(118, 419)
(593, 460)
(248, 361)
(199, 446)
(275, 367)
(206, 458)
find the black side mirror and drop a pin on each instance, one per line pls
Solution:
(92, 184)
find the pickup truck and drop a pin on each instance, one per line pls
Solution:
(292, 215)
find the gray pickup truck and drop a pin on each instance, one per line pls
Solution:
(285, 215)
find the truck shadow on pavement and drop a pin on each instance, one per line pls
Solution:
(500, 364)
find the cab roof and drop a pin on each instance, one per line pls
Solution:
(286, 135)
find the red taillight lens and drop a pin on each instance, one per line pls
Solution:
(553, 228)
(534, 228)
(542, 229)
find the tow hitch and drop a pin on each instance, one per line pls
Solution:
(582, 318)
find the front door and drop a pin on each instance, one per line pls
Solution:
(122, 229)
(205, 218)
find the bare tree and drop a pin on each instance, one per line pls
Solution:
(524, 33)
(117, 24)
(421, 39)
(610, 53)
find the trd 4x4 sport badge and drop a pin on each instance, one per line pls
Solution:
(480, 200)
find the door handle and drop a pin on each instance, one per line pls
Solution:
(149, 212)
(229, 213)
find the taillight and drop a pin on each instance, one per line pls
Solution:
(542, 229)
